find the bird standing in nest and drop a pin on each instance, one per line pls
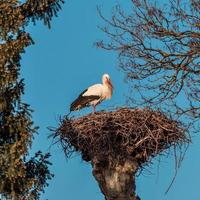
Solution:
(94, 95)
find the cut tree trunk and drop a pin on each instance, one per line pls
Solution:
(116, 180)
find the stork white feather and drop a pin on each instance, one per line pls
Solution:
(94, 94)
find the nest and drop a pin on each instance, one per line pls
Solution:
(125, 133)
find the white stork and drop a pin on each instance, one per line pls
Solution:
(94, 95)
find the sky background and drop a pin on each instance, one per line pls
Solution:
(62, 63)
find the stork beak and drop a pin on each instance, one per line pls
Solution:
(109, 83)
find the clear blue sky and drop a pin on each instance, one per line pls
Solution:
(56, 69)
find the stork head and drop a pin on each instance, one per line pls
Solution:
(106, 80)
(105, 76)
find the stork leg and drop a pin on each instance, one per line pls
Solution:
(94, 110)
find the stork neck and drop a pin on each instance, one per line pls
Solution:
(105, 83)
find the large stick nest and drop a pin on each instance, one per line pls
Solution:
(122, 134)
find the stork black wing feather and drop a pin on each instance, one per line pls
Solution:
(82, 101)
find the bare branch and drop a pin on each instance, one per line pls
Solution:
(159, 49)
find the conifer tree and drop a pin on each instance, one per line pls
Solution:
(20, 178)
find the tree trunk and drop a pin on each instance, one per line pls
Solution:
(116, 180)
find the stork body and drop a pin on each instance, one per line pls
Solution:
(94, 95)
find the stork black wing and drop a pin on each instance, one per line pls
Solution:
(83, 101)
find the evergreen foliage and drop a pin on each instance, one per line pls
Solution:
(20, 178)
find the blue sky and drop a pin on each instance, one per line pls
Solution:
(61, 64)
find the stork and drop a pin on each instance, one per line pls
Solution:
(94, 95)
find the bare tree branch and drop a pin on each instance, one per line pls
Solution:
(159, 48)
